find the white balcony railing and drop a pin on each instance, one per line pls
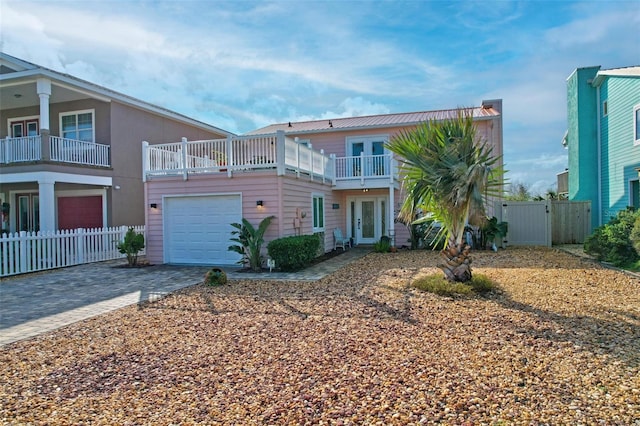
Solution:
(241, 153)
(30, 148)
(79, 152)
(19, 150)
(275, 151)
(364, 166)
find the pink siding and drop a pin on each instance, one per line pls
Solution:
(283, 196)
(253, 186)
(298, 194)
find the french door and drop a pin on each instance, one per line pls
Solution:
(372, 147)
(28, 212)
(21, 128)
(368, 219)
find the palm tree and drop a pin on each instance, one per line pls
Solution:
(448, 172)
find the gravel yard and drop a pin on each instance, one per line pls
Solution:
(559, 343)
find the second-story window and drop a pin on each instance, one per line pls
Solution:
(78, 125)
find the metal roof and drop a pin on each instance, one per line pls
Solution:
(633, 71)
(373, 121)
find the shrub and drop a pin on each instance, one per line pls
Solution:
(293, 253)
(492, 230)
(215, 277)
(635, 235)
(382, 246)
(439, 285)
(131, 245)
(612, 242)
(250, 242)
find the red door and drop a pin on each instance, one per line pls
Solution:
(80, 212)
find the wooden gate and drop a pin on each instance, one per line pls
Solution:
(571, 221)
(543, 223)
(529, 222)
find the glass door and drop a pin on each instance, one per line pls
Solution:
(367, 219)
(28, 212)
(374, 161)
(22, 128)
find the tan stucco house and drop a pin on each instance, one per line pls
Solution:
(70, 150)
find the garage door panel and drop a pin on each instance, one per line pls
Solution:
(197, 229)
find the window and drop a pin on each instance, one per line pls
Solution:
(78, 125)
(636, 125)
(605, 108)
(318, 212)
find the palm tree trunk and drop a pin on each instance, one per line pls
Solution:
(457, 262)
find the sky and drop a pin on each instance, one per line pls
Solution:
(241, 65)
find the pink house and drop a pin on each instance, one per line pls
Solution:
(313, 176)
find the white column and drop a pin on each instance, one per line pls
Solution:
(280, 153)
(44, 92)
(392, 222)
(47, 205)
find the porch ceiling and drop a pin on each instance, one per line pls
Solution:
(23, 94)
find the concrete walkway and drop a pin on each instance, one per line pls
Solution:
(36, 303)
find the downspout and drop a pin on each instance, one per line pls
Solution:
(598, 145)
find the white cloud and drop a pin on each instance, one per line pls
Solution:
(243, 65)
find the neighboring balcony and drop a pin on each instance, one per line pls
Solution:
(263, 152)
(53, 148)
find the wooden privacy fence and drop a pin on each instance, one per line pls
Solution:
(24, 252)
(570, 221)
(546, 222)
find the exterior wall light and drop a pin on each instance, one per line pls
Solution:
(260, 203)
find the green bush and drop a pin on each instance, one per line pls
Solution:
(439, 285)
(382, 246)
(293, 253)
(613, 242)
(635, 235)
(131, 246)
(215, 276)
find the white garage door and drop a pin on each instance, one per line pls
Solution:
(197, 229)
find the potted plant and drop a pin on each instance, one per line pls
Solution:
(221, 160)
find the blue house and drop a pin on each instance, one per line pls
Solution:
(603, 139)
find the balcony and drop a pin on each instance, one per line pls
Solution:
(365, 171)
(263, 152)
(234, 155)
(55, 149)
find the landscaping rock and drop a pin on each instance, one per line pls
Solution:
(559, 343)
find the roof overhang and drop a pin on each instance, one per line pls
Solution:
(75, 88)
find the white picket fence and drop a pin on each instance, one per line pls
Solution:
(24, 252)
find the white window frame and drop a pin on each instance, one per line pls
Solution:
(636, 125)
(76, 113)
(318, 227)
(605, 107)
